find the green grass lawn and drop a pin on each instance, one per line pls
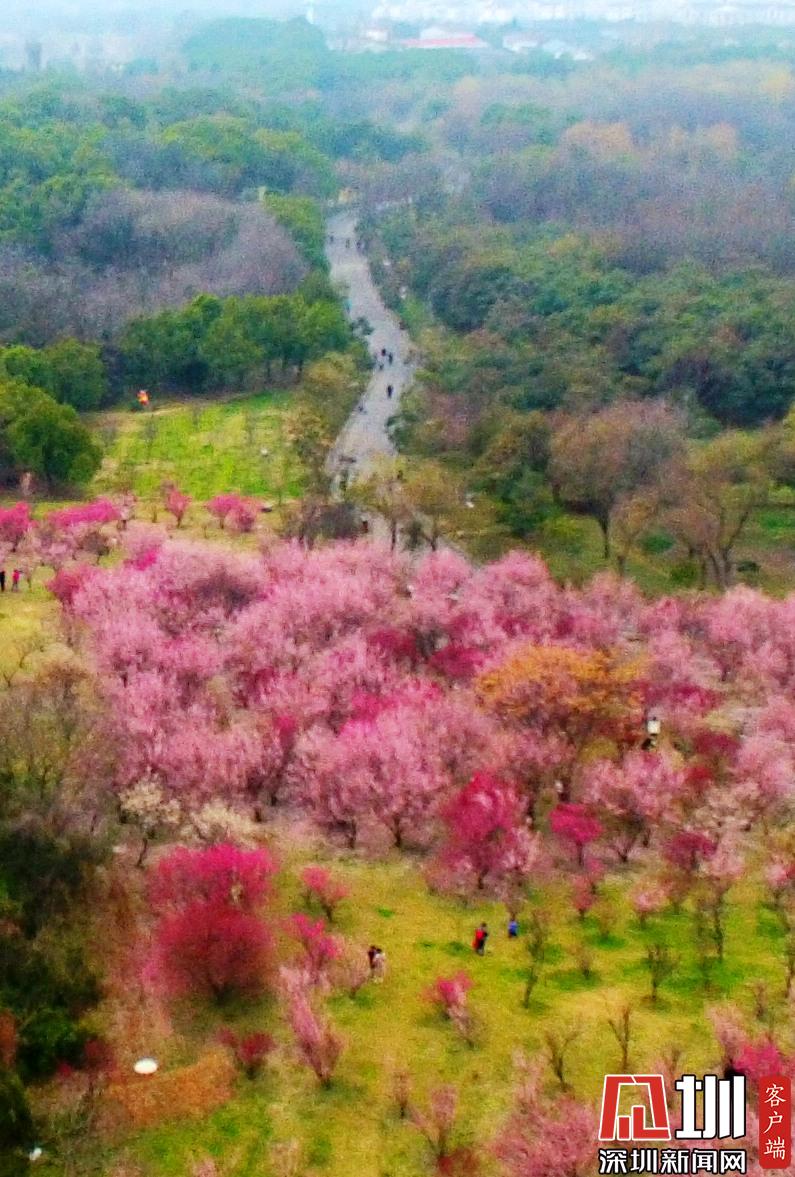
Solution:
(28, 620)
(352, 1129)
(206, 447)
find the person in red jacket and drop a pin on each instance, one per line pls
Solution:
(481, 936)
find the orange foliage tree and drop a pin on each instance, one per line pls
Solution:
(569, 698)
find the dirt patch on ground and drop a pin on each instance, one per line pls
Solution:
(140, 1102)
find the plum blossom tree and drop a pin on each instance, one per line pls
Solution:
(686, 851)
(487, 846)
(15, 523)
(450, 995)
(242, 517)
(209, 948)
(437, 1122)
(215, 874)
(632, 796)
(385, 766)
(319, 949)
(728, 1026)
(82, 528)
(218, 822)
(210, 940)
(764, 771)
(761, 1057)
(319, 1045)
(175, 501)
(321, 887)
(232, 510)
(81, 515)
(546, 1137)
(250, 1050)
(718, 872)
(583, 895)
(650, 897)
(145, 805)
(575, 827)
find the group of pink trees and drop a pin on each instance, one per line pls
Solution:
(56, 539)
(437, 705)
(85, 532)
(483, 716)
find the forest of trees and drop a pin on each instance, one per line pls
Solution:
(616, 236)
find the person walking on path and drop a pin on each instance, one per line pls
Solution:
(390, 357)
(513, 928)
(481, 936)
(389, 391)
(15, 575)
(2, 580)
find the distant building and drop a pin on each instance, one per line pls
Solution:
(435, 38)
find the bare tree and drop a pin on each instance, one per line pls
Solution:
(557, 1044)
(621, 1025)
(661, 963)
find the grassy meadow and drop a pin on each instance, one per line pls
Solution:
(206, 447)
(352, 1128)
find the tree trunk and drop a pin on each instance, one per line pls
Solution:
(604, 523)
(144, 849)
(717, 569)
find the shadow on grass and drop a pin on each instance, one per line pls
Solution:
(573, 980)
(608, 940)
(364, 998)
(536, 1006)
(457, 948)
(768, 923)
(319, 1151)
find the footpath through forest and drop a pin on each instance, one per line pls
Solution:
(365, 436)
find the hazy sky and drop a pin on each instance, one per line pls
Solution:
(21, 16)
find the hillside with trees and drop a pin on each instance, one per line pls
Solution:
(613, 237)
(359, 812)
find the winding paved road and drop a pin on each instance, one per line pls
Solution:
(365, 438)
